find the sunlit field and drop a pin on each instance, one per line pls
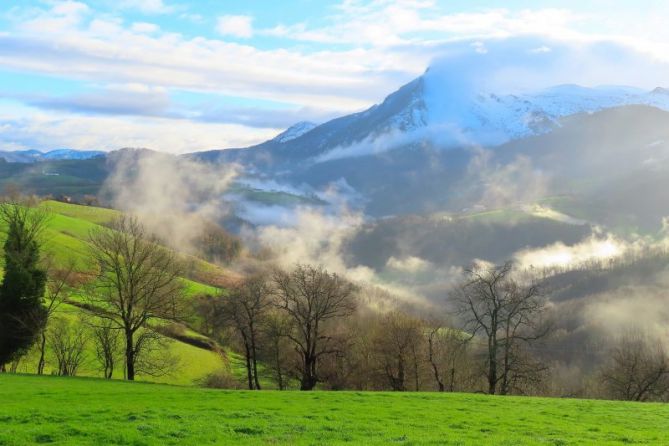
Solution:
(80, 411)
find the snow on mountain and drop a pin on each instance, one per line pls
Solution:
(428, 110)
(31, 156)
(491, 119)
(70, 154)
(294, 131)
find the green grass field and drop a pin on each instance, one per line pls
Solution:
(79, 411)
(65, 239)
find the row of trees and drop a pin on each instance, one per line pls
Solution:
(304, 326)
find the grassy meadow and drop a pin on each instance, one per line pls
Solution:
(84, 411)
(65, 240)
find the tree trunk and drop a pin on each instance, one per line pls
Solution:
(129, 356)
(435, 369)
(492, 360)
(308, 381)
(249, 370)
(255, 372)
(277, 362)
(109, 366)
(254, 361)
(41, 362)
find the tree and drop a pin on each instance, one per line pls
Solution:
(107, 341)
(398, 341)
(508, 314)
(276, 346)
(638, 370)
(246, 306)
(211, 314)
(312, 298)
(138, 281)
(68, 342)
(22, 315)
(446, 350)
(59, 283)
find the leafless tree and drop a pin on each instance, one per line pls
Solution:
(509, 316)
(60, 282)
(68, 342)
(107, 340)
(138, 281)
(210, 312)
(638, 370)
(446, 351)
(152, 355)
(312, 298)
(277, 351)
(246, 306)
(399, 349)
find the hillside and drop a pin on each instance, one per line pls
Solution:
(65, 241)
(85, 411)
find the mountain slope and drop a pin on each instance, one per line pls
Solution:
(430, 110)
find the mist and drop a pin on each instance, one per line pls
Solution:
(175, 198)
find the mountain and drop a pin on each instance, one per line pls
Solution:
(31, 156)
(429, 110)
(431, 146)
(294, 131)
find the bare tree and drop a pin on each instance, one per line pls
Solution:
(68, 342)
(60, 282)
(107, 339)
(638, 370)
(312, 297)
(508, 314)
(138, 281)
(246, 306)
(399, 349)
(446, 351)
(153, 356)
(210, 312)
(276, 351)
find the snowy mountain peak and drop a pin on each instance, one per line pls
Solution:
(294, 131)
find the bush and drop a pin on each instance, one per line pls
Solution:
(221, 379)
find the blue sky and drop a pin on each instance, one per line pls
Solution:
(182, 76)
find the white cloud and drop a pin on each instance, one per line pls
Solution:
(148, 6)
(144, 27)
(235, 25)
(377, 46)
(48, 130)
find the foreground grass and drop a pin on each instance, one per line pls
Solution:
(74, 411)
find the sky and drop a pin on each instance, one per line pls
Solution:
(181, 76)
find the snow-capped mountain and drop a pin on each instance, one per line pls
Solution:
(493, 119)
(294, 131)
(70, 154)
(413, 152)
(431, 110)
(31, 156)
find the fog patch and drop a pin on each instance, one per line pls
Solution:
(174, 197)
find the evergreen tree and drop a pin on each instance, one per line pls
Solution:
(22, 314)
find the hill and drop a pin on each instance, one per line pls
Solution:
(69, 411)
(65, 241)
